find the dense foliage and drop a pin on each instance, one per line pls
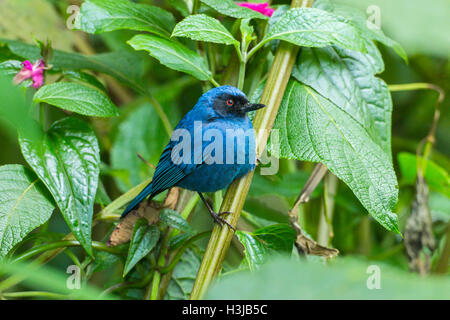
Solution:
(80, 145)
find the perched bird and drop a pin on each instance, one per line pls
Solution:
(210, 147)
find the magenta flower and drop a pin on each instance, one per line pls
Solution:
(34, 72)
(258, 7)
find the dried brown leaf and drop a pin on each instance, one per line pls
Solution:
(146, 209)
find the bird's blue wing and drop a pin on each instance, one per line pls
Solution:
(167, 174)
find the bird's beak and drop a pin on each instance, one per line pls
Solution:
(252, 106)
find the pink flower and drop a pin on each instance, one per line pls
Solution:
(258, 7)
(34, 72)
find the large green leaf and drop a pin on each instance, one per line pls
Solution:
(347, 78)
(343, 279)
(313, 128)
(254, 250)
(97, 16)
(67, 159)
(143, 240)
(309, 27)
(173, 55)
(77, 98)
(421, 29)
(203, 28)
(231, 9)
(123, 65)
(25, 204)
(183, 276)
(362, 23)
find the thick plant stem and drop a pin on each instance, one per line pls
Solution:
(237, 192)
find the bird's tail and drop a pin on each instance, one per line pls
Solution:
(141, 196)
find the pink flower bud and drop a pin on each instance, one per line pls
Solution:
(262, 8)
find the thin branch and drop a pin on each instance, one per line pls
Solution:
(304, 244)
(311, 184)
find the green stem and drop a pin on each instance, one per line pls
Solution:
(258, 46)
(214, 82)
(418, 86)
(155, 285)
(180, 251)
(162, 115)
(34, 294)
(241, 79)
(237, 192)
(64, 244)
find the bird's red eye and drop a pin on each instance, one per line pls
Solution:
(230, 102)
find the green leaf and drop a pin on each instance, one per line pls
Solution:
(83, 77)
(312, 128)
(346, 279)
(174, 220)
(420, 29)
(255, 252)
(179, 5)
(143, 240)
(200, 27)
(77, 98)
(231, 9)
(103, 261)
(25, 204)
(247, 31)
(308, 27)
(437, 177)
(183, 276)
(362, 23)
(98, 16)
(347, 78)
(123, 65)
(10, 67)
(173, 55)
(66, 159)
(278, 237)
(177, 240)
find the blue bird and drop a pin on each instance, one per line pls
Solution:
(210, 147)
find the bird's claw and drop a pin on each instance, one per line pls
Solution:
(219, 220)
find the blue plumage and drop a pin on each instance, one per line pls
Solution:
(211, 146)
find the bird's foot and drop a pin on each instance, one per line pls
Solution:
(258, 161)
(218, 219)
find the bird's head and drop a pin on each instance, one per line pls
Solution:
(228, 101)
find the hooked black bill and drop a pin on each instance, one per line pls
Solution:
(252, 107)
